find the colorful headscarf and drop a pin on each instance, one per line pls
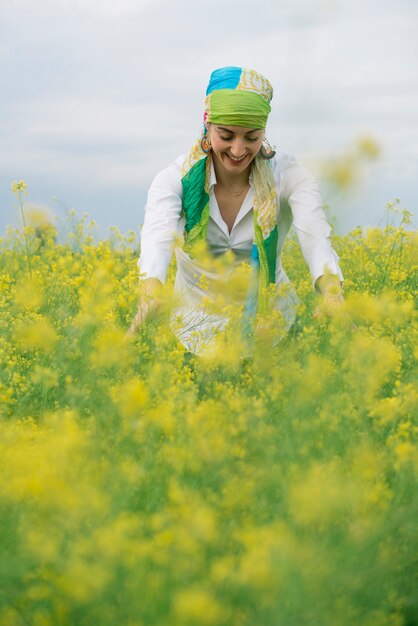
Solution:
(238, 97)
(235, 97)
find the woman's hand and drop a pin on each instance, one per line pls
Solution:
(329, 287)
(149, 302)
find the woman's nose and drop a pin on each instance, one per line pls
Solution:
(237, 147)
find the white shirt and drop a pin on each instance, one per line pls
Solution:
(299, 203)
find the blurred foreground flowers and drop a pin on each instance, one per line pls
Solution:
(139, 488)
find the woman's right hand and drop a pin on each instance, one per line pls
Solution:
(150, 301)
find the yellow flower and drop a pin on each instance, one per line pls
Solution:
(29, 293)
(318, 495)
(110, 347)
(405, 452)
(197, 606)
(35, 334)
(369, 147)
(130, 397)
(19, 187)
(44, 376)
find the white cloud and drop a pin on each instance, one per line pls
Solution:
(113, 8)
(109, 91)
(74, 119)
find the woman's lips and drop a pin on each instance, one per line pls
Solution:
(236, 161)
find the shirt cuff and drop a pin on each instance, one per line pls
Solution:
(154, 265)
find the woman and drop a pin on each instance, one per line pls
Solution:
(233, 193)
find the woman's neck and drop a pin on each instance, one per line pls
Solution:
(230, 179)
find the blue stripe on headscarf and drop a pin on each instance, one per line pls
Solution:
(224, 78)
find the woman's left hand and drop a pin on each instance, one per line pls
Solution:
(329, 287)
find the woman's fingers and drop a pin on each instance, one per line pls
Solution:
(331, 307)
(138, 321)
(145, 307)
(150, 301)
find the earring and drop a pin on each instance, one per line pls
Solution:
(205, 144)
(266, 150)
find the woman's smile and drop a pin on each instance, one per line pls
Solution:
(236, 160)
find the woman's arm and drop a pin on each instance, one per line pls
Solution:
(159, 231)
(300, 190)
(161, 221)
(148, 303)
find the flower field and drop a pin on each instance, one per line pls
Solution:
(142, 488)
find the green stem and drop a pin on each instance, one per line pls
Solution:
(24, 234)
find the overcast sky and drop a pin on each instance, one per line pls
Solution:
(98, 95)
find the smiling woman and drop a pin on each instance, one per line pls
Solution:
(232, 193)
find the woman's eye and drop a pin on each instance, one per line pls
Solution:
(229, 138)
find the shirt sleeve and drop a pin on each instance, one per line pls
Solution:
(300, 190)
(161, 222)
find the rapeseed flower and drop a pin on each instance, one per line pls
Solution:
(35, 334)
(144, 486)
(198, 607)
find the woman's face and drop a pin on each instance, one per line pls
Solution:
(234, 147)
